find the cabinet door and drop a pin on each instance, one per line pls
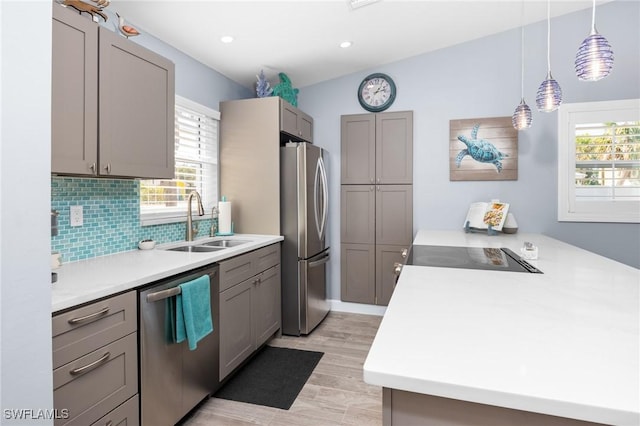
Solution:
(386, 257)
(295, 122)
(394, 147)
(358, 149)
(305, 126)
(357, 205)
(267, 302)
(137, 104)
(74, 93)
(237, 338)
(394, 214)
(358, 273)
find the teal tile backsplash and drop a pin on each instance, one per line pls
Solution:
(111, 218)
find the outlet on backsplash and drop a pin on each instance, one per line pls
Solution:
(76, 218)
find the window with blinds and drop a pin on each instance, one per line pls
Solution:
(196, 162)
(599, 161)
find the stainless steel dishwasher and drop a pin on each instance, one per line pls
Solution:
(173, 379)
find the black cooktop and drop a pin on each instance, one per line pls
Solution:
(494, 259)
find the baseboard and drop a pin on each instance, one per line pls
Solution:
(357, 308)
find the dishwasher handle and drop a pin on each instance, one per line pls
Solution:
(163, 294)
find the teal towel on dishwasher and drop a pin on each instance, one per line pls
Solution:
(193, 311)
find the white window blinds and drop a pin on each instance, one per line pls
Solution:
(196, 162)
(599, 162)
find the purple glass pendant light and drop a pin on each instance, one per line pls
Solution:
(549, 96)
(521, 118)
(594, 59)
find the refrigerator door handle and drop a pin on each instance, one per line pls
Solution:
(319, 262)
(316, 187)
(325, 196)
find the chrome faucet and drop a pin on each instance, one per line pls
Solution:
(192, 229)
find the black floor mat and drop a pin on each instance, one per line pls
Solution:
(274, 377)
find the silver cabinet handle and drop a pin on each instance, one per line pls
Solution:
(108, 168)
(397, 268)
(93, 169)
(90, 366)
(403, 253)
(89, 317)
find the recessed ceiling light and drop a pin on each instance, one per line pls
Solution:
(345, 44)
(355, 4)
(226, 39)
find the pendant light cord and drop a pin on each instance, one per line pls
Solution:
(593, 18)
(549, 36)
(522, 51)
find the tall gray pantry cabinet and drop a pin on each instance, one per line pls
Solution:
(376, 203)
(113, 103)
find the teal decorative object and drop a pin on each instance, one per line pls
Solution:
(285, 90)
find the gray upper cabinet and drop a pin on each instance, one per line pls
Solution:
(377, 148)
(137, 109)
(295, 122)
(112, 103)
(74, 93)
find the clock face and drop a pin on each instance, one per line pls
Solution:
(377, 92)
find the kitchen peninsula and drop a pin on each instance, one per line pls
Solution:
(464, 346)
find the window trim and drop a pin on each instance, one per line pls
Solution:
(570, 210)
(159, 218)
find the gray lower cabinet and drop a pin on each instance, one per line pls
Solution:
(250, 304)
(376, 226)
(113, 103)
(95, 360)
(357, 268)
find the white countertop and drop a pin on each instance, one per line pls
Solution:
(563, 343)
(88, 280)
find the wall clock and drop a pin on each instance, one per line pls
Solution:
(377, 92)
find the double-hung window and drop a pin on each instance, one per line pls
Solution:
(196, 163)
(599, 162)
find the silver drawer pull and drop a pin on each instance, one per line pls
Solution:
(89, 317)
(404, 253)
(90, 366)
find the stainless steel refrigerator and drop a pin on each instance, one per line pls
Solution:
(303, 214)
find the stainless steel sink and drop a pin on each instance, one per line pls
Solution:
(196, 249)
(224, 243)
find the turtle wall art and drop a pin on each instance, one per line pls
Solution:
(483, 149)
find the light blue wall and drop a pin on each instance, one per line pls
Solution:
(482, 79)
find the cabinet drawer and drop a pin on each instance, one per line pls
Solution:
(78, 332)
(96, 383)
(236, 270)
(124, 415)
(266, 258)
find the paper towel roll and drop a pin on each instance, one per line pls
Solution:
(224, 217)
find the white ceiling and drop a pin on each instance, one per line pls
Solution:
(301, 37)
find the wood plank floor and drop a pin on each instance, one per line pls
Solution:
(335, 394)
